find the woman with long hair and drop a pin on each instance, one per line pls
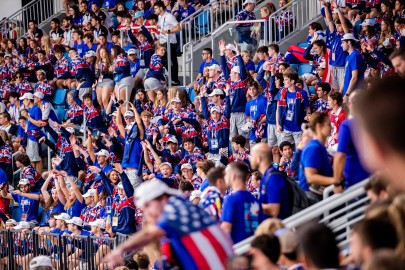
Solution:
(33, 50)
(46, 45)
(104, 76)
(71, 198)
(387, 39)
(22, 47)
(51, 200)
(142, 102)
(77, 18)
(12, 48)
(122, 74)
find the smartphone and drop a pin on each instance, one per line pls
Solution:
(120, 102)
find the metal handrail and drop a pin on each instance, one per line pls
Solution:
(315, 211)
(41, 10)
(192, 30)
(187, 61)
(215, 33)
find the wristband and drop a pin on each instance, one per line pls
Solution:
(338, 184)
(168, 31)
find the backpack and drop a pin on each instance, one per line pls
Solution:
(298, 199)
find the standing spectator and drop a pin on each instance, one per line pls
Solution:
(28, 202)
(337, 115)
(292, 108)
(284, 21)
(212, 197)
(168, 26)
(244, 29)
(315, 169)
(256, 114)
(337, 56)
(347, 168)
(235, 90)
(33, 115)
(274, 193)
(241, 213)
(354, 67)
(208, 61)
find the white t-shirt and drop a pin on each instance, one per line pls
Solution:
(166, 22)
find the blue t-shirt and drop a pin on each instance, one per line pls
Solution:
(76, 208)
(289, 123)
(204, 184)
(250, 66)
(259, 65)
(354, 171)
(206, 64)
(80, 48)
(255, 108)
(244, 212)
(59, 208)
(274, 189)
(314, 156)
(36, 114)
(354, 61)
(85, 48)
(337, 55)
(28, 207)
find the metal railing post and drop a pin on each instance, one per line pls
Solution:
(169, 61)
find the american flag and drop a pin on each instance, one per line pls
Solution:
(196, 237)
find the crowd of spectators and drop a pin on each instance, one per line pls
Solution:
(129, 154)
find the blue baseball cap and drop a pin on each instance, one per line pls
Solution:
(139, 14)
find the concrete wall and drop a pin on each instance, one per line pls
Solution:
(8, 7)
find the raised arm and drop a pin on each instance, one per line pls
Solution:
(44, 191)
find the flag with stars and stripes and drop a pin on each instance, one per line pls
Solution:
(196, 238)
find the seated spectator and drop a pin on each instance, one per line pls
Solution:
(365, 241)
(318, 246)
(265, 250)
(234, 219)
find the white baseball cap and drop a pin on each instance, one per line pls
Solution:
(103, 152)
(186, 166)
(368, 22)
(41, 71)
(70, 130)
(11, 221)
(151, 190)
(131, 51)
(23, 181)
(120, 185)
(98, 223)
(90, 53)
(231, 47)
(62, 216)
(76, 221)
(165, 163)
(173, 140)
(349, 36)
(27, 96)
(236, 69)
(322, 65)
(215, 109)
(114, 113)
(22, 225)
(41, 261)
(7, 55)
(90, 193)
(175, 99)
(39, 94)
(249, 2)
(215, 67)
(216, 92)
(129, 114)
(195, 194)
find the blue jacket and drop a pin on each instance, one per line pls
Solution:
(238, 89)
